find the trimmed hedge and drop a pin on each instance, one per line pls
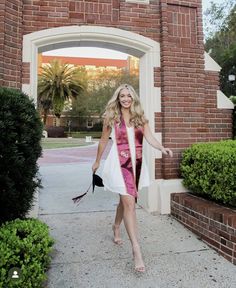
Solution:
(234, 123)
(209, 170)
(24, 244)
(83, 134)
(55, 131)
(20, 136)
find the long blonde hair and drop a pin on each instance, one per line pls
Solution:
(112, 112)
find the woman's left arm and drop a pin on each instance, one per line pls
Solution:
(153, 141)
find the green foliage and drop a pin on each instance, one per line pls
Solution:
(233, 99)
(228, 64)
(20, 130)
(221, 42)
(24, 244)
(209, 170)
(234, 123)
(83, 134)
(100, 90)
(218, 17)
(57, 83)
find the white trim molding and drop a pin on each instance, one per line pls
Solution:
(211, 64)
(159, 202)
(131, 43)
(92, 36)
(165, 189)
(223, 102)
(26, 89)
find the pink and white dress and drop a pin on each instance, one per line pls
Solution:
(112, 176)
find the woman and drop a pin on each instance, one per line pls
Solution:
(124, 120)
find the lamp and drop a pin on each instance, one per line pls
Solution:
(231, 78)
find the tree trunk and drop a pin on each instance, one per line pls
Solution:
(58, 121)
(45, 115)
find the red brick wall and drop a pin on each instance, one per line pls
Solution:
(215, 224)
(143, 19)
(11, 43)
(189, 111)
(183, 97)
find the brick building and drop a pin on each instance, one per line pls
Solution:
(179, 84)
(94, 65)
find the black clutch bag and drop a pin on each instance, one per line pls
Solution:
(96, 181)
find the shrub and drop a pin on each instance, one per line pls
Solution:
(20, 130)
(24, 244)
(55, 131)
(83, 134)
(234, 123)
(209, 170)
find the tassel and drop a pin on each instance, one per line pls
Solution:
(78, 198)
(96, 181)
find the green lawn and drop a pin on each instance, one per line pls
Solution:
(52, 143)
(82, 134)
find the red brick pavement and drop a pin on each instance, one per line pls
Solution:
(71, 155)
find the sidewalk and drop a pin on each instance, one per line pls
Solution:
(85, 256)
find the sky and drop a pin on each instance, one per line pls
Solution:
(206, 3)
(101, 52)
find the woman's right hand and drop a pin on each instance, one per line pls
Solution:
(95, 166)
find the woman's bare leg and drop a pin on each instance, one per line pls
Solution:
(130, 222)
(118, 220)
(119, 213)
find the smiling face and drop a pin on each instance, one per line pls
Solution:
(125, 98)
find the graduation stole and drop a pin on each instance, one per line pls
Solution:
(122, 142)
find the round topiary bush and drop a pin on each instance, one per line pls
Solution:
(20, 130)
(26, 245)
(209, 169)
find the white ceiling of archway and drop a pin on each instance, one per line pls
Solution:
(96, 44)
(89, 52)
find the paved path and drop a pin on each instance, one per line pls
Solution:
(83, 154)
(84, 254)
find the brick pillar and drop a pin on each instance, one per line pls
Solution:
(11, 43)
(183, 79)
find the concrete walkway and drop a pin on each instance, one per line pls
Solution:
(84, 254)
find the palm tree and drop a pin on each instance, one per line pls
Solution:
(57, 83)
(45, 105)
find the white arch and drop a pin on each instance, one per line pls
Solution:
(145, 48)
(108, 37)
(90, 36)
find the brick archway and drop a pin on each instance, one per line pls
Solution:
(131, 43)
(179, 83)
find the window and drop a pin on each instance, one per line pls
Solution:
(89, 123)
